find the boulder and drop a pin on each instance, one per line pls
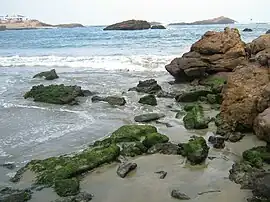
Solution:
(259, 44)
(262, 125)
(112, 100)
(240, 97)
(148, 100)
(267, 32)
(235, 136)
(48, 75)
(129, 25)
(9, 195)
(153, 139)
(81, 197)
(67, 187)
(179, 195)
(55, 94)
(192, 95)
(148, 117)
(195, 119)
(125, 168)
(261, 189)
(196, 150)
(148, 86)
(247, 30)
(165, 94)
(158, 27)
(165, 148)
(217, 141)
(214, 52)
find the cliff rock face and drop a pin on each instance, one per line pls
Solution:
(129, 25)
(214, 52)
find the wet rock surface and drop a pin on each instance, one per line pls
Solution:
(218, 142)
(129, 25)
(148, 100)
(148, 86)
(14, 195)
(81, 197)
(112, 100)
(148, 117)
(126, 168)
(48, 75)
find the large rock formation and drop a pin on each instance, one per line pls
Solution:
(214, 52)
(218, 20)
(129, 25)
(70, 25)
(158, 27)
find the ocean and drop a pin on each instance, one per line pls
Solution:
(109, 62)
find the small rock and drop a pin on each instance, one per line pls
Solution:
(236, 136)
(162, 173)
(211, 157)
(112, 100)
(9, 166)
(192, 96)
(148, 117)
(168, 125)
(87, 93)
(247, 30)
(158, 27)
(81, 197)
(165, 148)
(148, 100)
(267, 32)
(165, 94)
(217, 141)
(125, 168)
(148, 86)
(49, 75)
(179, 195)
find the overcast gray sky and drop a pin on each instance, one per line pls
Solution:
(103, 12)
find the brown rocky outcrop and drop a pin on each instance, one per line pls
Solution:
(129, 25)
(244, 88)
(262, 125)
(214, 52)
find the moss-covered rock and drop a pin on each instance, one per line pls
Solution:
(257, 156)
(148, 100)
(55, 94)
(103, 143)
(67, 187)
(196, 150)
(193, 95)
(133, 149)
(154, 138)
(143, 118)
(211, 98)
(216, 83)
(195, 119)
(189, 107)
(8, 194)
(132, 133)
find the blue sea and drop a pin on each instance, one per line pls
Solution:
(109, 62)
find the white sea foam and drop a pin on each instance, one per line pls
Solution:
(132, 63)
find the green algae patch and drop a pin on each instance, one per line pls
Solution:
(196, 150)
(132, 133)
(195, 118)
(133, 149)
(214, 81)
(154, 138)
(54, 94)
(257, 156)
(67, 187)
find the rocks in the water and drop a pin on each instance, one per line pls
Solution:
(129, 25)
(112, 100)
(125, 168)
(192, 96)
(165, 148)
(153, 139)
(257, 156)
(55, 94)
(14, 195)
(148, 100)
(67, 187)
(267, 32)
(158, 27)
(70, 25)
(179, 195)
(261, 125)
(195, 118)
(243, 89)
(217, 141)
(162, 173)
(247, 30)
(87, 93)
(165, 94)
(81, 197)
(196, 150)
(214, 52)
(235, 136)
(9, 166)
(148, 86)
(148, 117)
(48, 75)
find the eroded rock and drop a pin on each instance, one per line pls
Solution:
(179, 195)
(125, 168)
(112, 100)
(48, 75)
(148, 86)
(148, 117)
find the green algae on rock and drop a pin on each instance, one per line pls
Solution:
(55, 94)
(195, 119)
(257, 156)
(67, 187)
(148, 100)
(153, 139)
(196, 150)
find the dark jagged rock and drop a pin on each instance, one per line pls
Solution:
(148, 100)
(87, 93)
(165, 94)
(55, 94)
(148, 117)
(217, 141)
(267, 32)
(179, 195)
(9, 166)
(112, 100)
(162, 173)
(14, 195)
(196, 150)
(129, 25)
(165, 148)
(48, 75)
(247, 30)
(236, 136)
(81, 197)
(192, 96)
(158, 27)
(125, 168)
(67, 187)
(195, 119)
(148, 86)
(214, 52)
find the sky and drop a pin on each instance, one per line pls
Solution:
(104, 12)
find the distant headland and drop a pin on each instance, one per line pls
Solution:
(218, 20)
(20, 22)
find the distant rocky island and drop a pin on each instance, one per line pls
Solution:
(134, 25)
(218, 20)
